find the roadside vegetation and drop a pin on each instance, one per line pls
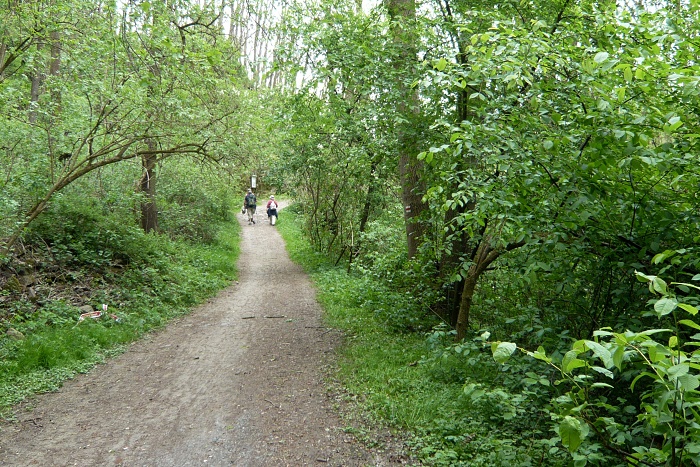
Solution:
(79, 259)
(399, 369)
(477, 403)
(498, 201)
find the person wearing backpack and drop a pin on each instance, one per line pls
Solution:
(249, 203)
(272, 209)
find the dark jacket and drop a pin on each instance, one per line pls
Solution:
(250, 200)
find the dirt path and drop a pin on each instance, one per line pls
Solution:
(236, 383)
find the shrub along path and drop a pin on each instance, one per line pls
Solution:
(237, 382)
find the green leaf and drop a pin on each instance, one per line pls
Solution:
(673, 124)
(658, 285)
(502, 351)
(676, 371)
(540, 354)
(688, 322)
(664, 306)
(548, 144)
(628, 73)
(603, 371)
(570, 361)
(687, 285)
(689, 308)
(600, 57)
(641, 277)
(441, 64)
(621, 94)
(601, 352)
(618, 356)
(572, 432)
(474, 391)
(660, 257)
(689, 382)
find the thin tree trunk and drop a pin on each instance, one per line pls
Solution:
(3, 52)
(485, 255)
(233, 25)
(364, 218)
(222, 13)
(36, 79)
(465, 304)
(147, 186)
(410, 170)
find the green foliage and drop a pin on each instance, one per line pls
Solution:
(655, 423)
(570, 148)
(160, 279)
(451, 413)
(572, 162)
(340, 127)
(191, 203)
(385, 291)
(158, 99)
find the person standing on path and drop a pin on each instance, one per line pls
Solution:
(249, 203)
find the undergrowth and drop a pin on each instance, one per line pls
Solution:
(446, 401)
(148, 280)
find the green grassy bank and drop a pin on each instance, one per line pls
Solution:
(444, 400)
(162, 279)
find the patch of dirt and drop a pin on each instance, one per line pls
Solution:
(239, 382)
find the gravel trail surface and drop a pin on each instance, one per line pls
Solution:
(238, 382)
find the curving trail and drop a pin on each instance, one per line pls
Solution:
(236, 383)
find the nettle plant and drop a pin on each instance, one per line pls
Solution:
(632, 395)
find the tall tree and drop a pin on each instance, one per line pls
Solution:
(402, 14)
(108, 104)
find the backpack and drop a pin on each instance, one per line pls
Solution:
(251, 199)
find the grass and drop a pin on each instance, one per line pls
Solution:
(414, 383)
(175, 277)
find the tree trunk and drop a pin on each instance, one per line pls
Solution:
(366, 209)
(460, 243)
(484, 256)
(465, 303)
(147, 186)
(403, 15)
(54, 68)
(410, 170)
(36, 79)
(3, 52)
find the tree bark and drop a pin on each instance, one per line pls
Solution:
(3, 53)
(366, 209)
(36, 80)
(484, 256)
(403, 15)
(147, 186)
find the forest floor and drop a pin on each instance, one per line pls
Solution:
(241, 381)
